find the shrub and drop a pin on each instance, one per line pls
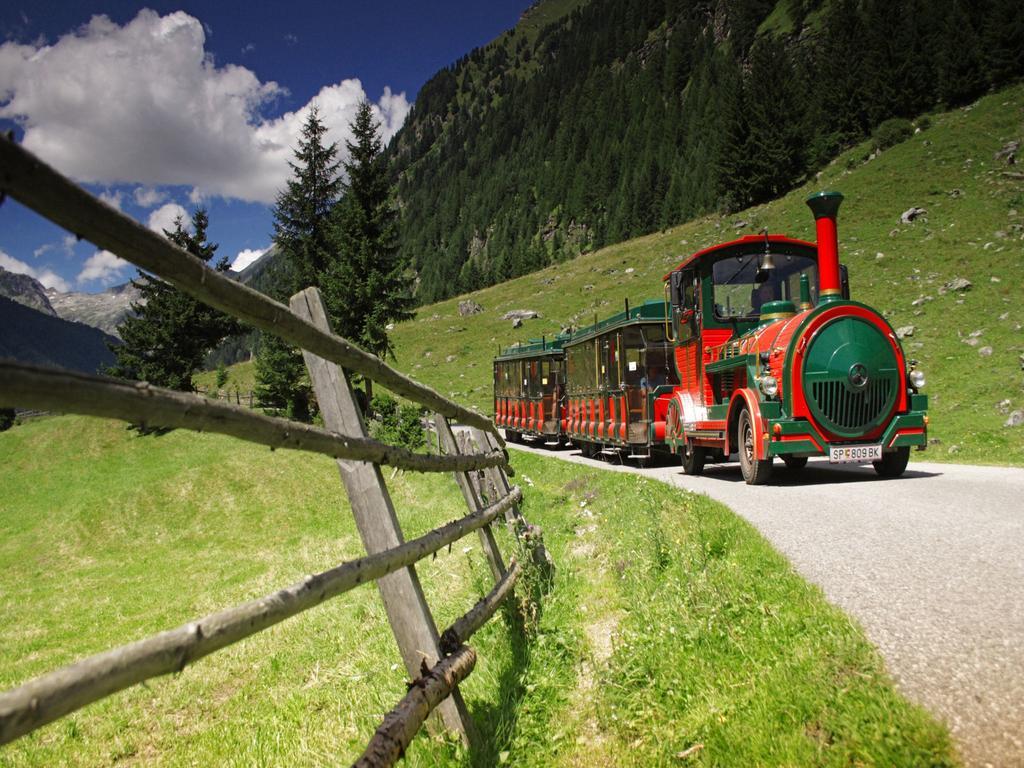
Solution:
(891, 132)
(397, 424)
(924, 122)
(6, 419)
(222, 376)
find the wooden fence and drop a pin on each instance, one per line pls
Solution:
(436, 662)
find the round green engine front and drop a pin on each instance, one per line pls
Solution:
(851, 377)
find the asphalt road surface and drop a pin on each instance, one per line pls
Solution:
(931, 564)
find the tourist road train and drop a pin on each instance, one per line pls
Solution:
(756, 351)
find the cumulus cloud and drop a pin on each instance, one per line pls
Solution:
(163, 218)
(144, 103)
(113, 199)
(247, 257)
(147, 197)
(47, 277)
(102, 266)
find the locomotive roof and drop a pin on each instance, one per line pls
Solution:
(742, 243)
(652, 310)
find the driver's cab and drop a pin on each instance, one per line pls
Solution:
(718, 294)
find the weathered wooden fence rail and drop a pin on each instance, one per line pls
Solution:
(436, 662)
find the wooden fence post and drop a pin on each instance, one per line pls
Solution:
(406, 606)
(496, 478)
(472, 497)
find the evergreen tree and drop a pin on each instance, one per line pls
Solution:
(369, 285)
(171, 333)
(305, 240)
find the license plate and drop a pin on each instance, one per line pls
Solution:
(854, 454)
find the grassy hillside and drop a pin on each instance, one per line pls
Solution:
(665, 606)
(973, 230)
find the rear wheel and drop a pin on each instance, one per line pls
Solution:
(512, 436)
(795, 462)
(693, 459)
(893, 464)
(755, 471)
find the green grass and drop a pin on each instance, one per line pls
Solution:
(241, 379)
(670, 621)
(975, 234)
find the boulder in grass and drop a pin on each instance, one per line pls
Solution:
(1016, 419)
(912, 213)
(520, 314)
(905, 331)
(469, 307)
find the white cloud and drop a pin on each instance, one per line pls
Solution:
(147, 197)
(246, 257)
(144, 103)
(47, 277)
(163, 218)
(113, 199)
(102, 266)
(67, 245)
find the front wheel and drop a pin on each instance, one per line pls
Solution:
(755, 471)
(693, 459)
(893, 464)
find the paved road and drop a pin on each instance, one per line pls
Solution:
(931, 564)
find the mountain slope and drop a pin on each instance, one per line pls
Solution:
(105, 310)
(972, 230)
(25, 290)
(33, 337)
(627, 116)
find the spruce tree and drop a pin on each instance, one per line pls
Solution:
(369, 285)
(171, 333)
(305, 241)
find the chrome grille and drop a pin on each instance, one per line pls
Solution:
(852, 410)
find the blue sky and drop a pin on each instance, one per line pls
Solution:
(160, 107)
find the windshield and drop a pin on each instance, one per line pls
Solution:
(742, 283)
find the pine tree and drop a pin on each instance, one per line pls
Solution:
(171, 333)
(369, 286)
(305, 240)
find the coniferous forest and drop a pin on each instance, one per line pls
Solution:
(627, 116)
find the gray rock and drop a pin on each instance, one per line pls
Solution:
(1015, 420)
(1008, 154)
(469, 307)
(517, 323)
(920, 301)
(905, 331)
(958, 285)
(971, 341)
(956, 193)
(450, 359)
(912, 213)
(740, 224)
(985, 351)
(588, 287)
(520, 314)
(953, 450)
(975, 334)
(1004, 406)
(630, 270)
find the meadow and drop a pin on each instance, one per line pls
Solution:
(672, 628)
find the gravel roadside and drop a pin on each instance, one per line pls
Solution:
(931, 565)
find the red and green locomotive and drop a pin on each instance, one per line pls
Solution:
(763, 355)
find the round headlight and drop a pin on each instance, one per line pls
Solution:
(769, 386)
(916, 379)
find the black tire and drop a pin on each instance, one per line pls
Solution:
(893, 464)
(587, 449)
(511, 436)
(755, 471)
(795, 462)
(693, 457)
